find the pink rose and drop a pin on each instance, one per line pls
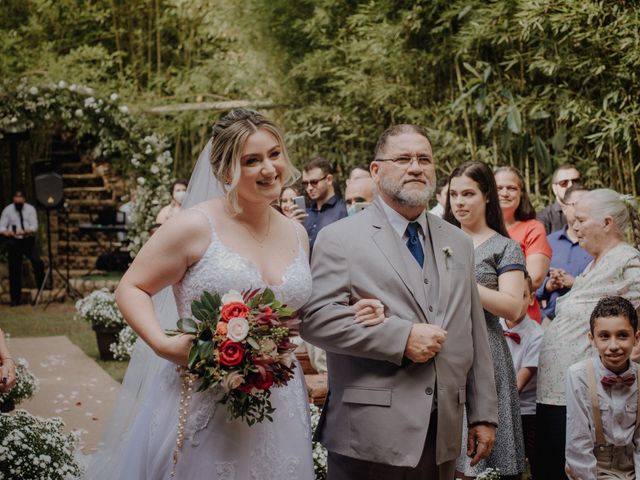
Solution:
(232, 381)
(237, 329)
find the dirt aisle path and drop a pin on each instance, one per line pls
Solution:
(72, 386)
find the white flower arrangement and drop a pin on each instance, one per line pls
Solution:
(123, 348)
(26, 385)
(99, 308)
(33, 447)
(319, 452)
(489, 474)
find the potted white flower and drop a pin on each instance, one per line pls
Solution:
(319, 452)
(26, 385)
(32, 447)
(99, 308)
(123, 348)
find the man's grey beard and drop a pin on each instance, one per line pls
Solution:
(406, 198)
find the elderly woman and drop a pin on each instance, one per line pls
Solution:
(601, 219)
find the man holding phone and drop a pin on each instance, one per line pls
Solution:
(326, 207)
(19, 223)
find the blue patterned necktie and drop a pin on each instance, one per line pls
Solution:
(414, 244)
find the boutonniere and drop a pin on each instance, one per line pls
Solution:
(448, 253)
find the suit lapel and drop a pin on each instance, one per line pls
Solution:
(443, 264)
(396, 253)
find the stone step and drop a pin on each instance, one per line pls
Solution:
(90, 205)
(88, 193)
(82, 180)
(76, 168)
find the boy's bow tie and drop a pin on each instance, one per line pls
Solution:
(627, 379)
(513, 336)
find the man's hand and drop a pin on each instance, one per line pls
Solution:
(554, 282)
(480, 441)
(424, 342)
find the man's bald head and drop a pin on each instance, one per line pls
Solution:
(360, 190)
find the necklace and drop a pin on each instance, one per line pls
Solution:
(260, 242)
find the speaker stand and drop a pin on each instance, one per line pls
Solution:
(51, 269)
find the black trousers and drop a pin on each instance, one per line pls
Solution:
(551, 431)
(16, 249)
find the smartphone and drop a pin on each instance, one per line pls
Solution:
(300, 203)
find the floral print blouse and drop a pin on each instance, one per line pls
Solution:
(565, 341)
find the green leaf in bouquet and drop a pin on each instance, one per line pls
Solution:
(199, 312)
(193, 355)
(212, 302)
(187, 325)
(267, 297)
(253, 342)
(206, 347)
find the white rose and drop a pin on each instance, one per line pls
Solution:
(232, 296)
(62, 84)
(33, 90)
(154, 169)
(237, 329)
(113, 97)
(141, 181)
(232, 381)
(79, 113)
(123, 109)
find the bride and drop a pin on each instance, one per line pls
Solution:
(230, 238)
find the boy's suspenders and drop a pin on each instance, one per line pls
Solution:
(595, 403)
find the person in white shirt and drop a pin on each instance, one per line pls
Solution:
(19, 223)
(603, 438)
(442, 192)
(523, 338)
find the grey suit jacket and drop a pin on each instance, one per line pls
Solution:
(379, 402)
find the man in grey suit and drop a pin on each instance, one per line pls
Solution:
(397, 390)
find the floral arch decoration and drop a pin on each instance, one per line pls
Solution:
(103, 126)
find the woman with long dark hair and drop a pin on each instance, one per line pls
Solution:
(473, 206)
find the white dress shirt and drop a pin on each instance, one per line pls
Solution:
(618, 407)
(525, 355)
(400, 223)
(437, 210)
(10, 218)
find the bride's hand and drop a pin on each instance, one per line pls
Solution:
(369, 312)
(176, 349)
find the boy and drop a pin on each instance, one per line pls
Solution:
(602, 398)
(523, 338)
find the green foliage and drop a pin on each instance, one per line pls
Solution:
(529, 83)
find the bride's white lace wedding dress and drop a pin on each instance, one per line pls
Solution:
(214, 447)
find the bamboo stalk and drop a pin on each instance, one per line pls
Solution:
(116, 33)
(467, 124)
(158, 51)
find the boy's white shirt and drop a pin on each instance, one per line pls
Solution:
(618, 407)
(525, 355)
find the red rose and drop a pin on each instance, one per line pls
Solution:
(232, 310)
(263, 382)
(231, 353)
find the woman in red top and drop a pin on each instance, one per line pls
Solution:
(520, 219)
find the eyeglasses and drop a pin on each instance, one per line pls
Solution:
(405, 160)
(312, 183)
(567, 181)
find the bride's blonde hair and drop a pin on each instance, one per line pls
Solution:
(230, 134)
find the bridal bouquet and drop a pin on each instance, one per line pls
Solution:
(243, 344)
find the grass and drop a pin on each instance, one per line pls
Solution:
(57, 319)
